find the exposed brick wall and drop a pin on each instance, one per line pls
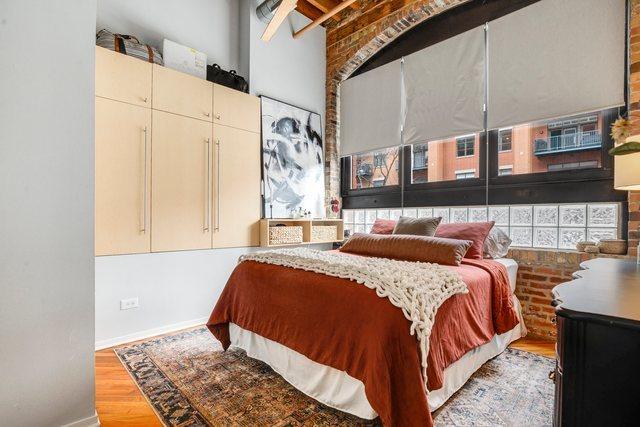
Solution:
(634, 116)
(539, 272)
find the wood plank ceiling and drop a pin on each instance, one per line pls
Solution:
(313, 9)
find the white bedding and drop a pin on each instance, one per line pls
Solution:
(339, 390)
(512, 271)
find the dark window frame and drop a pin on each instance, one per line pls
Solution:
(565, 186)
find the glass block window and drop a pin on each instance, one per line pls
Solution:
(538, 226)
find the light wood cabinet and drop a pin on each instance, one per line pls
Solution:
(167, 177)
(181, 183)
(122, 172)
(236, 109)
(123, 78)
(181, 93)
(237, 206)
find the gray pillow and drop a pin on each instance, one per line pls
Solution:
(417, 226)
(496, 245)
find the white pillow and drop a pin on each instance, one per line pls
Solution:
(496, 245)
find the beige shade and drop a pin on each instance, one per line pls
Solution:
(554, 59)
(627, 172)
(444, 88)
(371, 110)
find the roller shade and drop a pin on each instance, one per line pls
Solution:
(370, 110)
(444, 86)
(556, 58)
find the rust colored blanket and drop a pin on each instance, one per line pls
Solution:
(345, 325)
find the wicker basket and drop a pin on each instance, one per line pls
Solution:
(581, 246)
(324, 233)
(592, 249)
(285, 235)
(613, 246)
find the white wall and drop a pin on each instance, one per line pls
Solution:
(179, 289)
(46, 212)
(210, 26)
(286, 69)
(175, 290)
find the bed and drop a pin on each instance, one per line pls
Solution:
(338, 342)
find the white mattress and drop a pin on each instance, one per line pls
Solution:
(512, 271)
(339, 390)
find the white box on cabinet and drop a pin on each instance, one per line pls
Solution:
(184, 59)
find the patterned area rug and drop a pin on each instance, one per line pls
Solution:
(190, 381)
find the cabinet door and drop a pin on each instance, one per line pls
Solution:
(237, 188)
(122, 160)
(236, 109)
(182, 93)
(181, 183)
(123, 78)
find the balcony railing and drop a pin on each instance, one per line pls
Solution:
(569, 142)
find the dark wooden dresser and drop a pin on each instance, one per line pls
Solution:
(597, 372)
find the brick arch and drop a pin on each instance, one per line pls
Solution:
(353, 41)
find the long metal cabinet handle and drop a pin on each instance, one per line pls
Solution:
(144, 183)
(217, 185)
(207, 209)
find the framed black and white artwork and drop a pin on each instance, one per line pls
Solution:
(292, 160)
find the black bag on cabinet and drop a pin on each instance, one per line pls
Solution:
(230, 79)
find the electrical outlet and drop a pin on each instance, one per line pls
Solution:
(128, 304)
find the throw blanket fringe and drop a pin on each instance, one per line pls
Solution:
(418, 289)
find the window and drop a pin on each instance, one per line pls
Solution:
(518, 159)
(420, 163)
(375, 169)
(440, 160)
(570, 143)
(574, 165)
(505, 170)
(466, 145)
(550, 226)
(466, 174)
(504, 139)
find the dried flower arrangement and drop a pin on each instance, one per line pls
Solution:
(620, 131)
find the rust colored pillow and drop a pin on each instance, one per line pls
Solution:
(383, 226)
(477, 232)
(408, 248)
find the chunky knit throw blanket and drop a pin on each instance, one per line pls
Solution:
(418, 289)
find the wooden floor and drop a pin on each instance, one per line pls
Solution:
(119, 401)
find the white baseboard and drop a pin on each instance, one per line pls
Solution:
(112, 342)
(92, 421)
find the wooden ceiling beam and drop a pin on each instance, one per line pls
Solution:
(337, 9)
(285, 8)
(309, 10)
(325, 6)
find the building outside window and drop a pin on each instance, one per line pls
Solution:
(375, 169)
(466, 174)
(504, 139)
(420, 163)
(505, 170)
(466, 145)
(559, 144)
(573, 165)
